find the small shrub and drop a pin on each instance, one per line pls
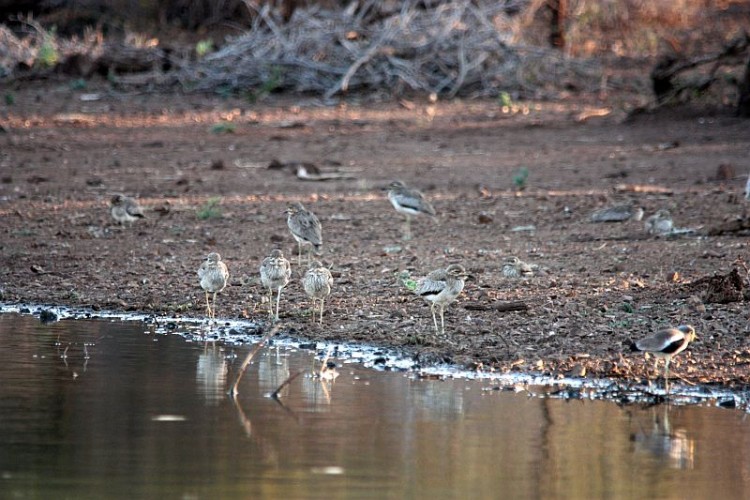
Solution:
(520, 178)
(78, 84)
(210, 210)
(47, 55)
(204, 47)
(222, 128)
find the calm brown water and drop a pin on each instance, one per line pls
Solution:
(147, 416)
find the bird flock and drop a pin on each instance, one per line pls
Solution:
(439, 288)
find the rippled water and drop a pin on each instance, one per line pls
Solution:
(101, 409)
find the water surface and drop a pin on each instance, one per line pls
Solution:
(103, 409)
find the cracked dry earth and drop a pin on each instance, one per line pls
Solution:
(199, 166)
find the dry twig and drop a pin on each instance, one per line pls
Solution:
(249, 357)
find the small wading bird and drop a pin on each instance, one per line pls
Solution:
(275, 272)
(660, 223)
(125, 209)
(513, 267)
(408, 202)
(305, 228)
(317, 283)
(213, 276)
(441, 288)
(666, 344)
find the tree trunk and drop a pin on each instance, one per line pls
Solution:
(743, 103)
(558, 13)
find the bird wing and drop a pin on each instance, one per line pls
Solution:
(414, 200)
(309, 226)
(133, 209)
(667, 340)
(619, 213)
(202, 270)
(432, 284)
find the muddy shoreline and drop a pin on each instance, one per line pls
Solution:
(595, 288)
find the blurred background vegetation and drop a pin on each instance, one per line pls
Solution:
(582, 45)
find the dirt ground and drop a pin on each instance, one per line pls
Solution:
(64, 152)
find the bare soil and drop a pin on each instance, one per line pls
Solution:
(65, 152)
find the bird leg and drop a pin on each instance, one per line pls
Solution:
(666, 375)
(213, 307)
(208, 306)
(313, 310)
(270, 302)
(407, 228)
(278, 299)
(442, 319)
(299, 253)
(434, 319)
(321, 310)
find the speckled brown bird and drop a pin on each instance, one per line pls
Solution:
(124, 209)
(513, 267)
(305, 227)
(408, 201)
(441, 288)
(275, 273)
(213, 275)
(317, 283)
(660, 223)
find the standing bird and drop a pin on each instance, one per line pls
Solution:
(665, 344)
(660, 223)
(125, 209)
(513, 267)
(275, 272)
(317, 283)
(408, 202)
(305, 228)
(213, 275)
(440, 288)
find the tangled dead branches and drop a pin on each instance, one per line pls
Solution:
(451, 48)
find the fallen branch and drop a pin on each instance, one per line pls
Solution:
(289, 380)
(732, 226)
(257, 347)
(497, 306)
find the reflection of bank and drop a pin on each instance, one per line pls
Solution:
(657, 438)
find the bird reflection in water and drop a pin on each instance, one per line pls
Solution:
(211, 374)
(671, 446)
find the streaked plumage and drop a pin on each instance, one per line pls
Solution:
(441, 288)
(317, 283)
(275, 273)
(409, 202)
(305, 228)
(660, 223)
(213, 275)
(617, 213)
(665, 344)
(125, 209)
(513, 267)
